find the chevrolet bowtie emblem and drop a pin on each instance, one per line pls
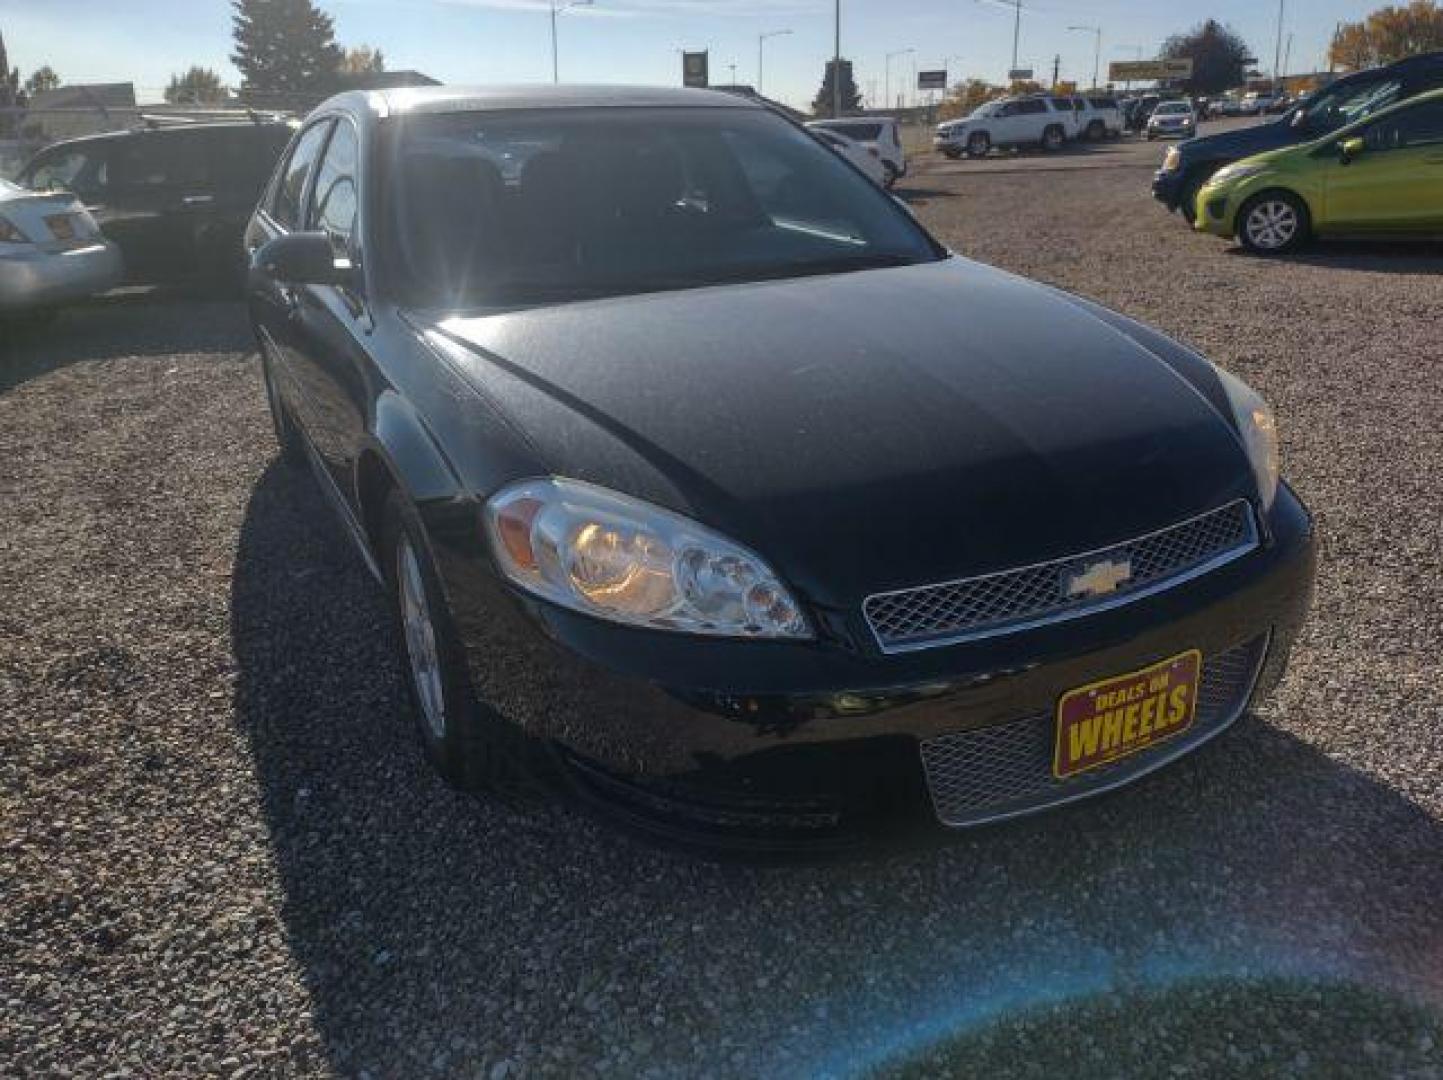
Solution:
(1098, 579)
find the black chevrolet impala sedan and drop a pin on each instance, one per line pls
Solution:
(710, 489)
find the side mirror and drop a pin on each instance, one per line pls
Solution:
(1348, 149)
(303, 259)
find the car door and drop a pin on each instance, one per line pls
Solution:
(274, 304)
(158, 197)
(329, 322)
(1004, 124)
(1397, 181)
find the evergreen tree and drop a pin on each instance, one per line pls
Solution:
(11, 96)
(286, 52)
(851, 98)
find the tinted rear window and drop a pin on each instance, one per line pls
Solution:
(1103, 103)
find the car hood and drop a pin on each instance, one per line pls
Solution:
(1241, 143)
(864, 431)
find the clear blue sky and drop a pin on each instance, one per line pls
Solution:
(145, 41)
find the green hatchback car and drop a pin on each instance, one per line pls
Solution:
(1382, 175)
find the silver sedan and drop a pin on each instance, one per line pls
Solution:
(51, 250)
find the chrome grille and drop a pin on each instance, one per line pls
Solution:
(1012, 599)
(1005, 770)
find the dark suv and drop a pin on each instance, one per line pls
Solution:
(175, 200)
(1188, 165)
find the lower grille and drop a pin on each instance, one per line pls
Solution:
(1005, 770)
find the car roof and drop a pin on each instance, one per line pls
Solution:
(448, 99)
(852, 120)
(130, 133)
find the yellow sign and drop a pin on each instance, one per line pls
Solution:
(1065, 87)
(1149, 70)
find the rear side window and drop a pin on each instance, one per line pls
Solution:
(860, 132)
(243, 158)
(160, 160)
(1421, 125)
(286, 205)
(1031, 105)
(333, 201)
(1103, 103)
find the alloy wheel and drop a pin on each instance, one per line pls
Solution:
(420, 633)
(1271, 224)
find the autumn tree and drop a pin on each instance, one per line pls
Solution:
(965, 97)
(362, 60)
(285, 50)
(198, 86)
(1389, 34)
(1219, 57)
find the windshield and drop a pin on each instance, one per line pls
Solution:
(1171, 109)
(987, 109)
(498, 208)
(1346, 102)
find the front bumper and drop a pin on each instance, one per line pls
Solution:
(38, 278)
(751, 744)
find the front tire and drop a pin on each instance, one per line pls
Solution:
(1187, 204)
(1096, 131)
(890, 175)
(1053, 138)
(978, 144)
(466, 742)
(1273, 223)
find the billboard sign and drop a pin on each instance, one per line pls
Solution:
(1018, 74)
(694, 69)
(1149, 70)
(932, 80)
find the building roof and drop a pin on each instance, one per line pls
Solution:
(85, 95)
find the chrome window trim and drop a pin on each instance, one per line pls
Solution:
(1106, 603)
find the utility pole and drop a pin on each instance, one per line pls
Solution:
(733, 69)
(1056, 69)
(1278, 46)
(837, 61)
(1287, 55)
(1016, 29)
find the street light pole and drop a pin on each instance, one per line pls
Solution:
(762, 40)
(887, 82)
(555, 11)
(1096, 32)
(1278, 46)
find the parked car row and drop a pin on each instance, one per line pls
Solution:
(1046, 120)
(170, 204)
(51, 250)
(1372, 163)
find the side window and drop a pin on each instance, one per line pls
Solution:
(333, 198)
(286, 203)
(1342, 106)
(72, 170)
(1032, 105)
(1009, 109)
(159, 161)
(1421, 125)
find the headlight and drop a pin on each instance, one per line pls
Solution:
(1231, 173)
(10, 233)
(609, 555)
(1172, 160)
(1259, 430)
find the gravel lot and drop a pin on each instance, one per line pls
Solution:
(220, 850)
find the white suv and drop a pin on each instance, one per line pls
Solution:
(1098, 117)
(1019, 121)
(880, 133)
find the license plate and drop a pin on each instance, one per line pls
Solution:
(1105, 721)
(62, 226)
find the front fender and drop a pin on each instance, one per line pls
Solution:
(399, 437)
